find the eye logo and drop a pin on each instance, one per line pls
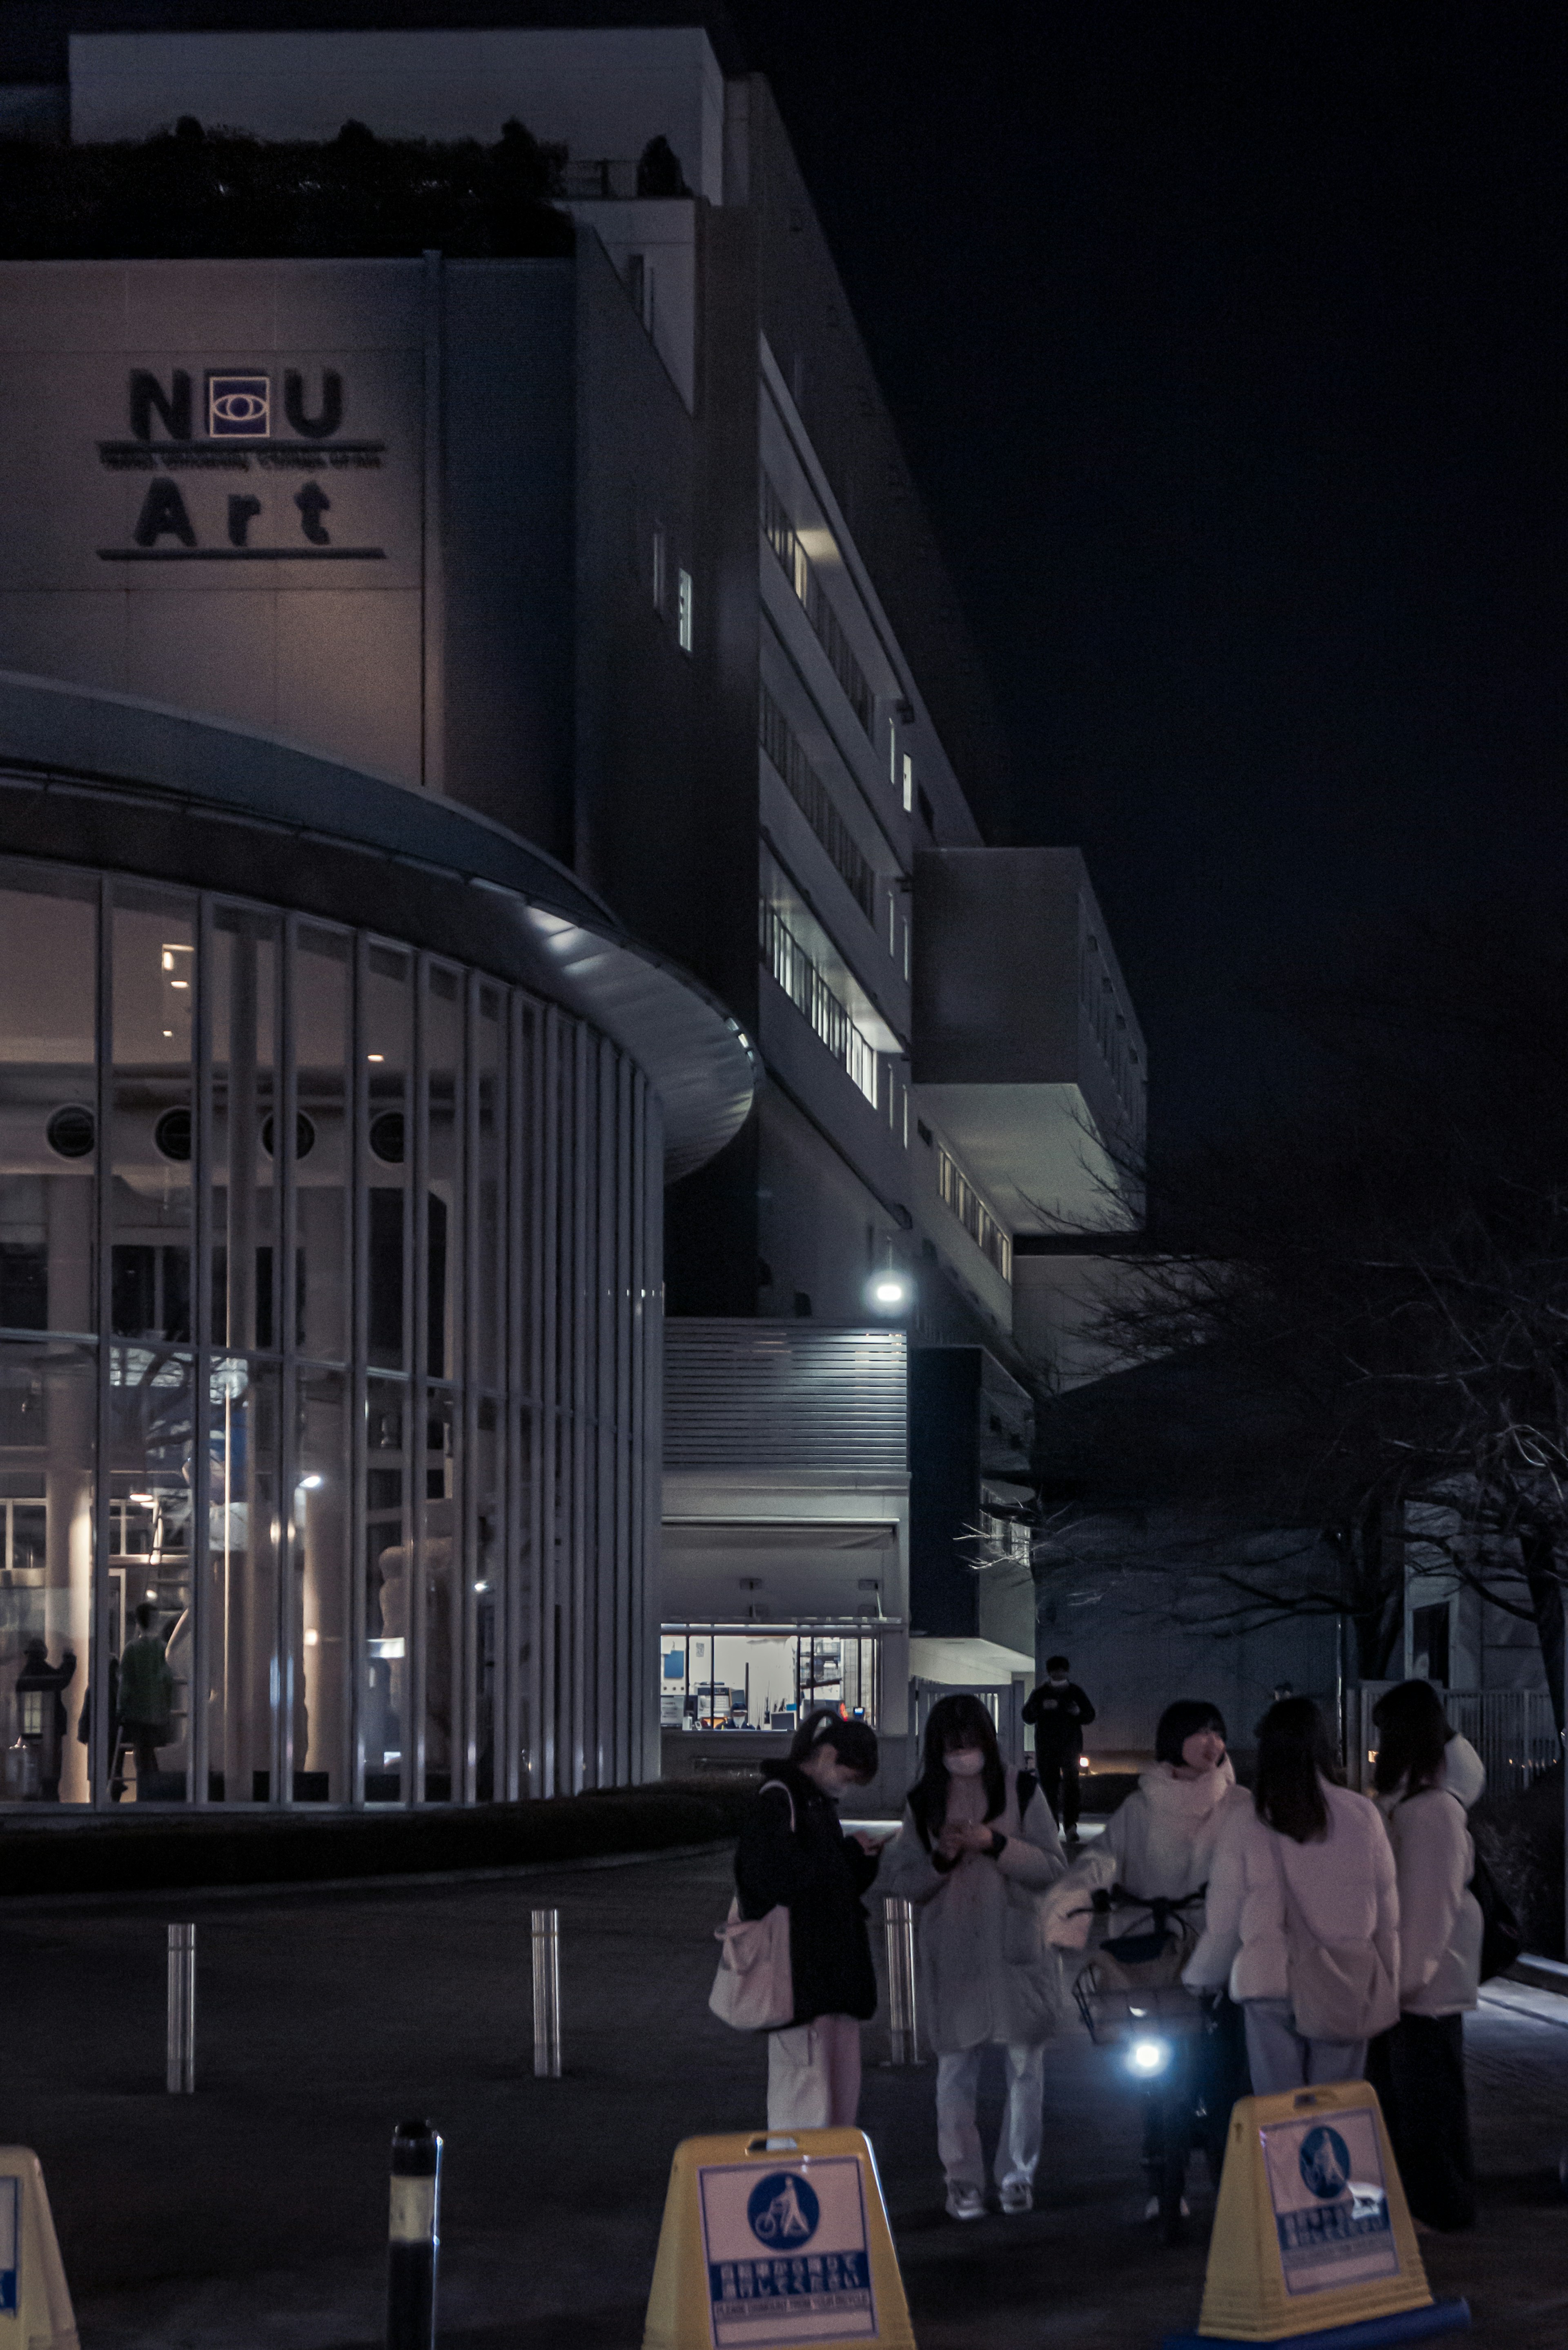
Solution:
(239, 407)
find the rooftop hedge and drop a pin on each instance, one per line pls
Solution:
(191, 193)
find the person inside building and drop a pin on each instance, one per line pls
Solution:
(1060, 1714)
(40, 1700)
(1426, 1778)
(976, 1850)
(794, 1853)
(146, 1696)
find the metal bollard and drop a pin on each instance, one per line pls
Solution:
(181, 2049)
(898, 1918)
(414, 2237)
(547, 1994)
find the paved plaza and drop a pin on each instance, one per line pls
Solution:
(255, 2212)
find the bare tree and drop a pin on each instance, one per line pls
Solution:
(1380, 1270)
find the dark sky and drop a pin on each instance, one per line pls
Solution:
(1226, 346)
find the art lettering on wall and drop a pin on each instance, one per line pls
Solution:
(239, 421)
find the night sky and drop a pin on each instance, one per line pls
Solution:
(1227, 347)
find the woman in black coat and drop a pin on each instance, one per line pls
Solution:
(793, 1852)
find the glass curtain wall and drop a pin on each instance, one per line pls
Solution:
(329, 1311)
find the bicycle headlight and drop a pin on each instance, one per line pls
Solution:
(1148, 2057)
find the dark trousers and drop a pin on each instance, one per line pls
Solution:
(1418, 2071)
(1059, 1785)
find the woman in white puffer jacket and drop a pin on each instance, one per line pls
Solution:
(1305, 1867)
(1159, 1845)
(1426, 1778)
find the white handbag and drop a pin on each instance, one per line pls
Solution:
(754, 1987)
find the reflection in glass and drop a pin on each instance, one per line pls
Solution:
(387, 1040)
(319, 1591)
(154, 966)
(321, 1002)
(387, 1553)
(151, 1438)
(244, 985)
(447, 1345)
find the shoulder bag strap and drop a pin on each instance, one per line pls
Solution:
(788, 1797)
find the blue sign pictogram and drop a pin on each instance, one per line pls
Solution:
(1324, 2161)
(782, 2211)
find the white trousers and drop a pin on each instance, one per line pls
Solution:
(814, 2074)
(1280, 2058)
(957, 2135)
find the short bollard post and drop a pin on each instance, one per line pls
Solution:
(414, 2237)
(547, 1994)
(182, 2050)
(899, 1921)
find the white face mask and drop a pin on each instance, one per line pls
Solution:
(965, 1762)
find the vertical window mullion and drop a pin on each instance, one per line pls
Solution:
(285, 1228)
(416, 1295)
(356, 1114)
(103, 1727)
(199, 1741)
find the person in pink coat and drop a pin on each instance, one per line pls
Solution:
(1306, 1861)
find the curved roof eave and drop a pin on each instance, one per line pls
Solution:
(698, 1060)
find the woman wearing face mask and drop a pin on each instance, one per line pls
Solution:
(793, 1851)
(977, 1848)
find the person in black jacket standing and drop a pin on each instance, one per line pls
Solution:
(793, 1852)
(1060, 1714)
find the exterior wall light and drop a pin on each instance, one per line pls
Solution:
(891, 1293)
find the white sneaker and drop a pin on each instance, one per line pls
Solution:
(1018, 2194)
(1151, 2209)
(965, 2203)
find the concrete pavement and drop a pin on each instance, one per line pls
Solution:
(255, 2212)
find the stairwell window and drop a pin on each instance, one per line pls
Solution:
(683, 610)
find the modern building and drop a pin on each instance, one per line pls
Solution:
(611, 542)
(334, 1129)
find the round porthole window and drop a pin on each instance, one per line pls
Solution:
(71, 1131)
(173, 1133)
(303, 1135)
(386, 1136)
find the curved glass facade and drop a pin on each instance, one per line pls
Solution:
(329, 1325)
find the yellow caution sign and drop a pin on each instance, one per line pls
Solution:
(773, 2240)
(32, 2278)
(1311, 2234)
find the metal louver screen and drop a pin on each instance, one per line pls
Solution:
(785, 1395)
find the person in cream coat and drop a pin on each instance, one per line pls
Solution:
(1426, 1778)
(977, 1848)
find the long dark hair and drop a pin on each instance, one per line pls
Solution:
(1294, 1757)
(854, 1742)
(1413, 1731)
(1182, 1722)
(961, 1720)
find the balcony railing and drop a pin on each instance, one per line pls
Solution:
(797, 975)
(811, 795)
(784, 540)
(960, 1194)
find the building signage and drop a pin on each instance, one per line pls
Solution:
(787, 2254)
(1330, 2202)
(236, 428)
